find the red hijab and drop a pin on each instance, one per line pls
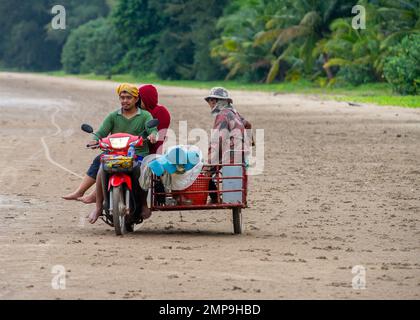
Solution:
(149, 95)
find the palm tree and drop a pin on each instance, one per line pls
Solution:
(399, 18)
(236, 48)
(370, 47)
(301, 24)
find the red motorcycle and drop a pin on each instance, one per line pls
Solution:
(120, 187)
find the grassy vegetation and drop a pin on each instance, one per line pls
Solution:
(375, 93)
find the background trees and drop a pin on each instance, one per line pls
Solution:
(245, 40)
(26, 37)
(402, 67)
(93, 48)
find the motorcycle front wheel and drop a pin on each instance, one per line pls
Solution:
(118, 210)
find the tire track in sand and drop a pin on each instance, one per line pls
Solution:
(47, 150)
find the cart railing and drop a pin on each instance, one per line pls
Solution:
(220, 177)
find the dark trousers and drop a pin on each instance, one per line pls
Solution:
(213, 187)
(94, 167)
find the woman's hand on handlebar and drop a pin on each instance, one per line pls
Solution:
(93, 144)
(152, 138)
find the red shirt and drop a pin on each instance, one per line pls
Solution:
(162, 114)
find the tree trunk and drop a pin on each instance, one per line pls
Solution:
(327, 69)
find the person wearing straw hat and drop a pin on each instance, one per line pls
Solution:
(228, 130)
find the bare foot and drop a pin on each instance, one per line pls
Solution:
(91, 198)
(94, 215)
(73, 196)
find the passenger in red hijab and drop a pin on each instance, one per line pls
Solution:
(149, 101)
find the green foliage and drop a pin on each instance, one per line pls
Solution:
(78, 12)
(246, 40)
(245, 59)
(139, 24)
(23, 41)
(313, 38)
(93, 47)
(402, 69)
(356, 74)
(75, 49)
(184, 47)
(361, 54)
(294, 30)
(26, 37)
(169, 37)
(357, 53)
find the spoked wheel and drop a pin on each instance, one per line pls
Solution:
(237, 220)
(118, 211)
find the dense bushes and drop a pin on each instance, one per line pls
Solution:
(356, 74)
(93, 47)
(402, 69)
(169, 37)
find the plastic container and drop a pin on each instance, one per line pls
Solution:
(156, 167)
(131, 152)
(200, 184)
(167, 166)
(177, 156)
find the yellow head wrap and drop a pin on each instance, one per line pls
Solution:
(130, 88)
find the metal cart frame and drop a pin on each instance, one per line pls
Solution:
(218, 178)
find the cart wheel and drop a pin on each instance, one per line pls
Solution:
(237, 220)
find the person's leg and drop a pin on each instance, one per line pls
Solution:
(88, 181)
(93, 172)
(214, 198)
(97, 212)
(90, 198)
(160, 188)
(141, 194)
(213, 195)
(145, 211)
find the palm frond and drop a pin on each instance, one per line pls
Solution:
(395, 37)
(289, 34)
(337, 62)
(274, 70)
(266, 36)
(233, 71)
(311, 19)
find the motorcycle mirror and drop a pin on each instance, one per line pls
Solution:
(87, 128)
(152, 123)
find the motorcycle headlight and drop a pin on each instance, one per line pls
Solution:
(119, 143)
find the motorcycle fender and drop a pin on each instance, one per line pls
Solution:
(119, 179)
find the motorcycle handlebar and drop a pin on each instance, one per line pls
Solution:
(92, 146)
